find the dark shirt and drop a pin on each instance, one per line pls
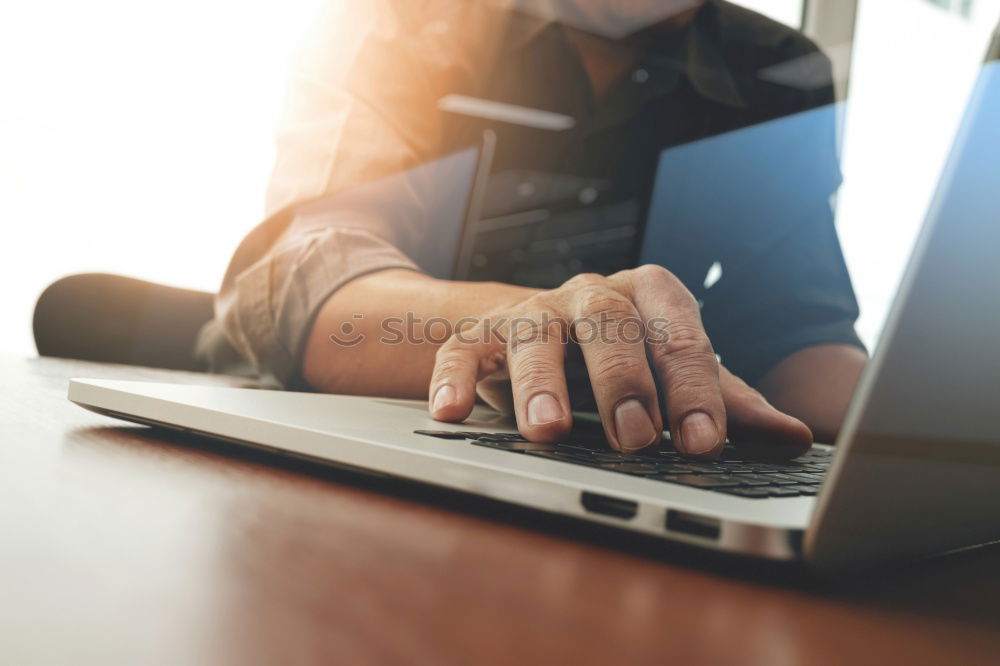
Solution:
(375, 115)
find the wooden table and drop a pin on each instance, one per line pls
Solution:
(124, 545)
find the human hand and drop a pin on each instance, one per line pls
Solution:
(646, 354)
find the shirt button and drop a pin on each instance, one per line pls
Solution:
(640, 75)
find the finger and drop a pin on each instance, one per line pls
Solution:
(610, 334)
(463, 360)
(682, 356)
(536, 353)
(756, 426)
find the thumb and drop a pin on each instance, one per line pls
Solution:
(756, 427)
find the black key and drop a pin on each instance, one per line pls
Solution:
(631, 457)
(630, 468)
(765, 468)
(815, 469)
(793, 477)
(674, 468)
(507, 435)
(564, 457)
(521, 446)
(699, 468)
(697, 481)
(769, 479)
(572, 448)
(745, 492)
(753, 480)
(808, 491)
(609, 457)
(734, 463)
(802, 478)
(494, 438)
(651, 457)
(783, 491)
(769, 469)
(768, 472)
(443, 434)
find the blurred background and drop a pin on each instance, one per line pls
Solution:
(136, 138)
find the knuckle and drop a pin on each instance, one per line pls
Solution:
(534, 375)
(684, 341)
(655, 273)
(692, 374)
(524, 330)
(546, 309)
(653, 276)
(538, 329)
(540, 302)
(648, 276)
(593, 300)
(609, 318)
(619, 364)
(583, 280)
(449, 365)
(686, 356)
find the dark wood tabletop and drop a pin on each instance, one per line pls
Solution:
(126, 545)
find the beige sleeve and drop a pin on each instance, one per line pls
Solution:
(362, 108)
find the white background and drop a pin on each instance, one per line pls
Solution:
(135, 138)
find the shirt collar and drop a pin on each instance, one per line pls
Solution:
(697, 55)
(700, 59)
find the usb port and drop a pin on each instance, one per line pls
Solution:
(693, 524)
(609, 506)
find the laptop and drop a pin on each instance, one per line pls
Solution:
(915, 472)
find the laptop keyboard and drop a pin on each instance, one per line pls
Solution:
(732, 473)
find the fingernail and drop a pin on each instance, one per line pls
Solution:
(699, 434)
(544, 408)
(633, 426)
(443, 397)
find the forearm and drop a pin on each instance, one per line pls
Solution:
(397, 319)
(815, 385)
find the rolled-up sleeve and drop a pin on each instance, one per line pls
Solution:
(267, 308)
(360, 108)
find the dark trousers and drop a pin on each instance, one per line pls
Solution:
(109, 318)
